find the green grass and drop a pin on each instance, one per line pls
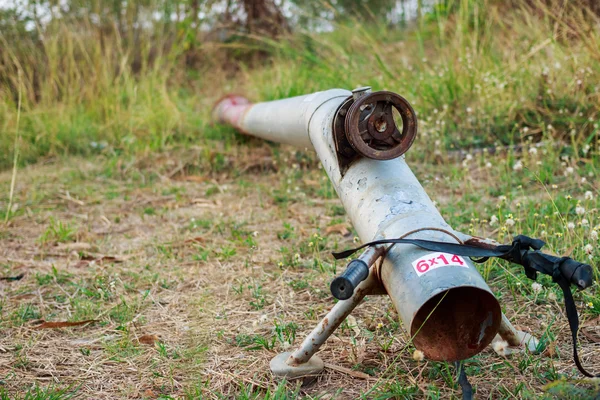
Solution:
(58, 232)
(41, 393)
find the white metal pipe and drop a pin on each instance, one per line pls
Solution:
(445, 305)
(282, 121)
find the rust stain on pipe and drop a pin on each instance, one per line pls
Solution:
(482, 242)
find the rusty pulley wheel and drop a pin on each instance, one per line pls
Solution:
(371, 129)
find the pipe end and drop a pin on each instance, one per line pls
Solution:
(456, 324)
(229, 108)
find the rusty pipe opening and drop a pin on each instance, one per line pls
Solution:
(456, 324)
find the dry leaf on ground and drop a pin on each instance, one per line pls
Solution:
(342, 229)
(148, 339)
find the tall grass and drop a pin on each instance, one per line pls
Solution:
(477, 73)
(81, 94)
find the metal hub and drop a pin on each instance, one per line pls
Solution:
(370, 127)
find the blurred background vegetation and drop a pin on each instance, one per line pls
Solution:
(128, 77)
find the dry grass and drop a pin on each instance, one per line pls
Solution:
(197, 281)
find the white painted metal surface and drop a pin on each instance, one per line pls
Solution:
(449, 311)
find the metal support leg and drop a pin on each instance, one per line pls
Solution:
(509, 340)
(302, 362)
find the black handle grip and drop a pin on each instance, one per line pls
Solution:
(342, 287)
(577, 273)
(581, 275)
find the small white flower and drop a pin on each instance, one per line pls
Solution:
(469, 110)
(533, 151)
(536, 287)
(588, 248)
(585, 222)
(493, 220)
(500, 347)
(552, 296)
(570, 226)
(518, 166)
(594, 235)
(418, 355)
(569, 171)
(510, 222)
(488, 164)
(579, 210)
(589, 195)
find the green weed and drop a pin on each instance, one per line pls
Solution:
(58, 232)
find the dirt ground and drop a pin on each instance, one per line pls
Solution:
(194, 281)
